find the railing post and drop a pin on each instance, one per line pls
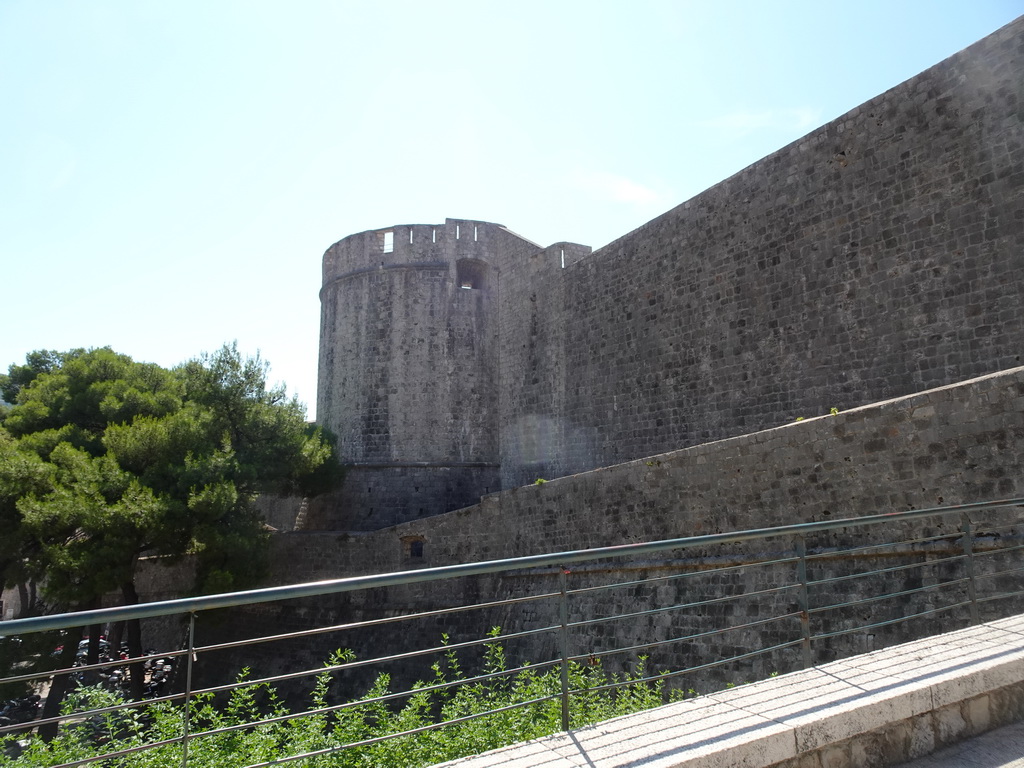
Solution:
(967, 529)
(803, 600)
(187, 703)
(563, 635)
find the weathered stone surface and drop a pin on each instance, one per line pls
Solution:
(880, 255)
(748, 727)
(817, 469)
(811, 280)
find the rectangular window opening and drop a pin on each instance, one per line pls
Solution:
(475, 238)
(433, 235)
(563, 258)
(456, 231)
(389, 242)
(410, 235)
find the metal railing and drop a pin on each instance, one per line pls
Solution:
(667, 617)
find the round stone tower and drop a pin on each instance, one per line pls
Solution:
(408, 370)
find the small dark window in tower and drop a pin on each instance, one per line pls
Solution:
(412, 547)
(469, 273)
(389, 242)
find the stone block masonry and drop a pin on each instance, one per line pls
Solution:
(880, 255)
(948, 445)
(409, 370)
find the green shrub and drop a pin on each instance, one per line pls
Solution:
(271, 732)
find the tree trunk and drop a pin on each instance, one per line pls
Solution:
(60, 685)
(116, 634)
(137, 671)
(25, 607)
(93, 649)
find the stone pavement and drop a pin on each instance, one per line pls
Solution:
(1001, 748)
(879, 709)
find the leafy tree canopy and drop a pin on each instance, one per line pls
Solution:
(18, 376)
(104, 459)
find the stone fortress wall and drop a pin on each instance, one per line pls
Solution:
(880, 255)
(878, 262)
(948, 445)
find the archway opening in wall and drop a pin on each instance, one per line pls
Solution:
(470, 273)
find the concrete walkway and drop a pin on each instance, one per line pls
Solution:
(879, 709)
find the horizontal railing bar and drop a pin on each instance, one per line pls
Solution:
(850, 554)
(680, 606)
(120, 752)
(675, 576)
(1004, 572)
(542, 565)
(325, 751)
(91, 712)
(410, 732)
(132, 660)
(88, 667)
(889, 595)
(952, 537)
(671, 640)
(987, 531)
(890, 622)
(723, 662)
(879, 571)
(66, 671)
(375, 699)
(376, 660)
(1001, 596)
(366, 662)
(998, 550)
(665, 675)
(308, 713)
(558, 559)
(371, 623)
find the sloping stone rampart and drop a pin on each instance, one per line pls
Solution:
(949, 445)
(945, 446)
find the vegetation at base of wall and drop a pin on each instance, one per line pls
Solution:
(361, 720)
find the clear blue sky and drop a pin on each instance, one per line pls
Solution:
(172, 172)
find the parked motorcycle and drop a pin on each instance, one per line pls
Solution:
(21, 710)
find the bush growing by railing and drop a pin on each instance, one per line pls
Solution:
(440, 719)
